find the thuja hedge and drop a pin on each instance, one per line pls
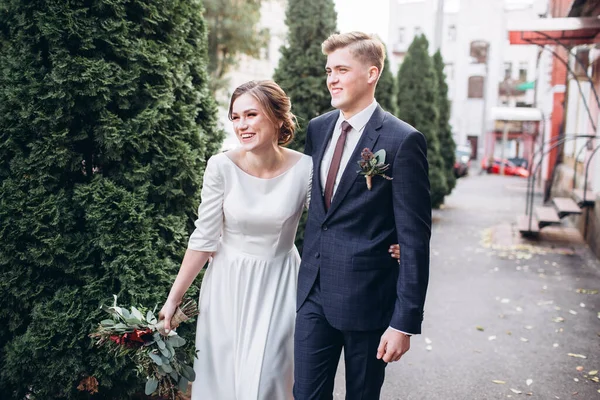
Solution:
(106, 123)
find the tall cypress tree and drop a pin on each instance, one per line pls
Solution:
(301, 69)
(447, 145)
(417, 105)
(385, 92)
(105, 125)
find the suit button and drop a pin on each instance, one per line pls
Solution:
(317, 255)
(324, 227)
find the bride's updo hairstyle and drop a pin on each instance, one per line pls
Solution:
(274, 103)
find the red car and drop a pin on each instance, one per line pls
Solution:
(509, 168)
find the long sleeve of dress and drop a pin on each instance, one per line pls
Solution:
(209, 224)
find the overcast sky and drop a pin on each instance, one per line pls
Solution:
(372, 16)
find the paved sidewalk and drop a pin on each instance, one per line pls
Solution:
(500, 308)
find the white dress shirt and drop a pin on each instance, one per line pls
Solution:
(358, 123)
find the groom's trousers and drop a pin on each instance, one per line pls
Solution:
(317, 349)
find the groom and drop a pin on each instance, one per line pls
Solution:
(351, 294)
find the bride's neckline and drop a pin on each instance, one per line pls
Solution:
(263, 179)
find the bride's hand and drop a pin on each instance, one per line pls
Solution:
(395, 251)
(167, 312)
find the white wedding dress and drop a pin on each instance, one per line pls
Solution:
(245, 331)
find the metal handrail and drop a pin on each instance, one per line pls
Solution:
(529, 197)
(587, 170)
(542, 151)
(587, 143)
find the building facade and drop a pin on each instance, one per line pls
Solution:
(481, 68)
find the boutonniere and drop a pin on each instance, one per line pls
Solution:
(373, 164)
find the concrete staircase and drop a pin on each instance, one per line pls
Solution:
(530, 225)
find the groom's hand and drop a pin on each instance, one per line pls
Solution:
(393, 345)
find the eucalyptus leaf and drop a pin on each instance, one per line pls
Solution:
(380, 155)
(107, 322)
(156, 358)
(174, 375)
(137, 314)
(165, 352)
(167, 368)
(151, 386)
(150, 318)
(170, 349)
(183, 384)
(188, 372)
(161, 344)
(124, 313)
(176, 341)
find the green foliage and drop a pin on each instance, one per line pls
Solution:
(385, 93)
(418, 106)
(232, 31)
(447, 145)
(301, 70)
(106, 122)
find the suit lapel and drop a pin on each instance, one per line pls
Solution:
(329, 127)
(368, 139)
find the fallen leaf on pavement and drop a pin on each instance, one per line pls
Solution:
(576, 355)
(594, 372)
(492, 338)
(529, 382)
(579, 368)
(573, 312)
(558, 319)
(516, 391)
(587, 291)
(524, 339)
(480, 328)
(498, 382)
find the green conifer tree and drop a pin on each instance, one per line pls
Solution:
(301, 69)
(417, 105)
(385, 92)
(106, 123)
(447, 145)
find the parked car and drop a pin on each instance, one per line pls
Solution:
(463, 161)
(509, 168)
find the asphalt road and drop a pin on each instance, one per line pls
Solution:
(500, 309)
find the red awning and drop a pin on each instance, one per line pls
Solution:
(567, 31)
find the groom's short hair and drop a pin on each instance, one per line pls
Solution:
(367, 48)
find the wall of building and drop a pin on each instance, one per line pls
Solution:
(272, 18)
(464, 22)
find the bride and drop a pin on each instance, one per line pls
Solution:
(252, 200)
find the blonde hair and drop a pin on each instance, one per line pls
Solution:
(367, 48)
(275, 104)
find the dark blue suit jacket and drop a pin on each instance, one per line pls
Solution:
(362, 287)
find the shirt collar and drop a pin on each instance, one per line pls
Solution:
(359, 120)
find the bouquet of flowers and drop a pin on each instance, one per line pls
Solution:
(152, 350)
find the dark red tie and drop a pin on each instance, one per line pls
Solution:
(335, 163)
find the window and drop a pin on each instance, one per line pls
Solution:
(418, 31)
(449, 71)
(452, 33)
(479, 50)
(522, 72)
(507, 70)
(475, 87)
(400, 35)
